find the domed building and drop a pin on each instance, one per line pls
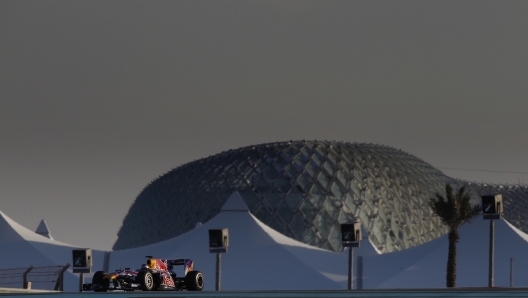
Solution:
(302, 189)
(270, 193)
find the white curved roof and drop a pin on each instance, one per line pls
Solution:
(20, 231)
(260, 258)
(43, 230)
(257, 258)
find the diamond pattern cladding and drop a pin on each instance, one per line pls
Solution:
(303, 189)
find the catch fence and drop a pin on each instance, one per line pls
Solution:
(42, 278)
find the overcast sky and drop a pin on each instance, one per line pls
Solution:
(98, 98)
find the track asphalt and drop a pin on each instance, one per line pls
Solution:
(457, 292)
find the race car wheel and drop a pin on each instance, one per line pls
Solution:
(194, 281)
(98, 279)
(146, 280)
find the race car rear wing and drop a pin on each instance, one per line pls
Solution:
(188, 264)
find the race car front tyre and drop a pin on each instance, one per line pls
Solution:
(146, 280)
(100, 283)
(194, 281)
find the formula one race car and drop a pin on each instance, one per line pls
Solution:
(156, 274)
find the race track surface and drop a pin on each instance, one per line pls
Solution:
(457, 292)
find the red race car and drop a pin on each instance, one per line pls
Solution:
(156, 274)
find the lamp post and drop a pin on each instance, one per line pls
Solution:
(218, 243)
(350, 237)
(492, 208)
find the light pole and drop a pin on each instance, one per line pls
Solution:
(350, 237)
(492, 208)
(218, 243)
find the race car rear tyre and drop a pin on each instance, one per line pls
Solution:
(98, 279)
(146, 280)
(194, 281)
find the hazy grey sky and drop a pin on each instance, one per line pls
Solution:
(98, 98)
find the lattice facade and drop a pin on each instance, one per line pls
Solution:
(303, 189)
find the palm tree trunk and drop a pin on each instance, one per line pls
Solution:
(451, 259)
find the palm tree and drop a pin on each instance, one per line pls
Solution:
(454, 210)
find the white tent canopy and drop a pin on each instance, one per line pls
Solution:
(259, 258)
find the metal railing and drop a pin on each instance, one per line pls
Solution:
(43, 277)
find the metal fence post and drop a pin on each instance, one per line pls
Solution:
(59, 285)
(24, 277)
